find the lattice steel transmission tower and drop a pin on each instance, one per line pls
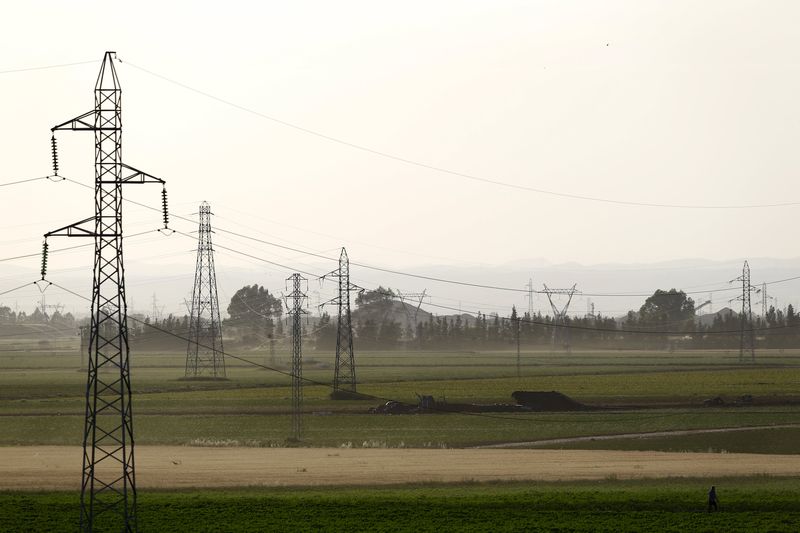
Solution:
(344, 374)
(108, 489)
(412, 312)
(747, 339)
(296, 313)
(765, 298)
(529, 286)
(560, 329)
(205, 356)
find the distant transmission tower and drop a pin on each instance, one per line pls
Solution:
(747, 341)
(529, 286)
(765, 298)
(412, 311)
(204, 354)
(108, 490)
(157, 311)
(560, 329)
(344, 374)
(296, 313)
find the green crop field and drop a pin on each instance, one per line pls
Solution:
(42, 398)
(755, 504)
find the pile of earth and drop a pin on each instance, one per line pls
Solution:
(547, 401)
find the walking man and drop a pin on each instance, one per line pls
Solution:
(712, 499)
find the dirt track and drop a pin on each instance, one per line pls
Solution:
(58, 467)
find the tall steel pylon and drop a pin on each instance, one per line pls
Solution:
(529, 286)
(411, 310)
(560, 331)
(747, 340)
(344, 374)
(108, 489)
(205, 356)
(296, 313)
(765, 298)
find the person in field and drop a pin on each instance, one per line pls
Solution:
(712, 499)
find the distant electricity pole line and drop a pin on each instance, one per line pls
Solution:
(205, 355)
(560, 331)
(296, 313)
(344, 374)
(747, 341)
(516, 338)
(109, 481)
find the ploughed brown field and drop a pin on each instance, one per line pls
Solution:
(59, 467)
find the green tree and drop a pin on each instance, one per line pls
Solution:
(254, 309)
(668, 307)
(379, 296)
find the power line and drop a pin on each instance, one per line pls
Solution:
(67, 248)
(329, 386)
(444, 170)
(450, 281)
(45, 67)
(522, 320)
(409, 274)
(17, 288)
(23, 181)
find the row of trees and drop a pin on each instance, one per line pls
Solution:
(666, 320)
(8, 316)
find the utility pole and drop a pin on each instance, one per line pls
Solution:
(83, 331)
(516, 336)
(747, 341)
(108, 488)
(560, 329)
(205, 356)
(296, 312)
(271, 337)
(344, 374)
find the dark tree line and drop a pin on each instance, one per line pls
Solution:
(666, 320)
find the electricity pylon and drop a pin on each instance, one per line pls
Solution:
(529, 286)
(205, 355)
(344, 374)
(765, 298)
(108, 489)
(747, 340)
(412, 312)
(560, 329)
(296, 313)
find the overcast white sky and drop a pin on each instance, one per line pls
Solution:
(654, 102)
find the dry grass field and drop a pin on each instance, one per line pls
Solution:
(58, 467)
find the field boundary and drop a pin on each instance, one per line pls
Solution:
(642, 435)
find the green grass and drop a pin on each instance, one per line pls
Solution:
(747, 504)
(770, 441)
(427, 430)
(42, 402)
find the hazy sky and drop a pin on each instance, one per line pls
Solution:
(654, 102)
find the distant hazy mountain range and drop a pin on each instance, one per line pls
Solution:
(614, 289)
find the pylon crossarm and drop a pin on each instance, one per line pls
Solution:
(136, 176)
(80, 123)
(75, 230)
